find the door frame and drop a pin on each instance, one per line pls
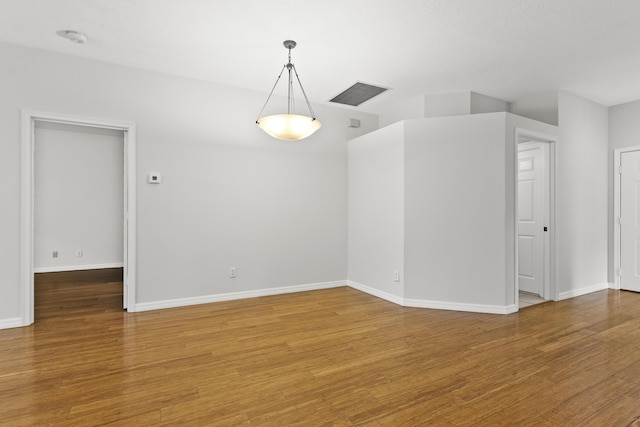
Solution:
(28, 121)
(549, 238)
(617, 239)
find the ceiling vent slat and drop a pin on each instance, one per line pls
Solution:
(357, 94)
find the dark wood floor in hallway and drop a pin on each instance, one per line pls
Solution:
(334, 357)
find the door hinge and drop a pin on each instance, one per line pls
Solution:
(620, 220)
(619, 272)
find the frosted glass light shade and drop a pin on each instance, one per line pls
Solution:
(289, 127)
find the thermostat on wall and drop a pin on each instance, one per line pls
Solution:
(154, 178)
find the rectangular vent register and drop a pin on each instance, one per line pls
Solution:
(357, 94)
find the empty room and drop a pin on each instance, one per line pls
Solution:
(355, 213)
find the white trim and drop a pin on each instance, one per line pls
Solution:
(130, 217)
(460, 306)
(207, 299)
(26, 221)
(437, 305)
(376, 292)
(549, 289)
(28, 119)
(77, 267)
(617, 158)
(582, 291)
(15, 322)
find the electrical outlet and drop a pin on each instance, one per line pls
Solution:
(79, 253)
(396, 275)
(233, 273)
(55, 254)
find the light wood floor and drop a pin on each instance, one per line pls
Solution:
(335, 357)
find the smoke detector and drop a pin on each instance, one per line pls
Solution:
(74, 36)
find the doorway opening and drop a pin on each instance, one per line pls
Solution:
(29, 121)
(78, 208)
(535, 225)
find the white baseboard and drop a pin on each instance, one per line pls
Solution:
(438, 305)
(376, 292)
(460, 306)
(582, 291)
(15, 322)
(207, 299)
(77, 267)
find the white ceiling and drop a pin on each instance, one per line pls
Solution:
(501, 48)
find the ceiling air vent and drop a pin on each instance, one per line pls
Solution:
(357, 94)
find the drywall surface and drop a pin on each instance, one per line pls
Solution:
(480, 104)
(624, 126)
(78, 197)
(455, 209)
(624, 131)
(412, 108)
(447, 104)
(542, 107)
(443, 104)
(376, 209)
(231, 195)
(581, 196)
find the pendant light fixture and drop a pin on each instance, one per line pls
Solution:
(290, 126)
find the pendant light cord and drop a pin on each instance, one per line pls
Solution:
(313, 116)
(269, 97)
(290, 99)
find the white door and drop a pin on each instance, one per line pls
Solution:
(531, 205)
(630, 221)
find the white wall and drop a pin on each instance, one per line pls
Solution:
(376, 210)
(479, 104)
(412, 108)
(581, 198)
(624, 131)
(455, 209)
(231, 195)
(624, 126)
(442, 105)
(447, 104)
(79, 193)
(447, 185)
(542, 107)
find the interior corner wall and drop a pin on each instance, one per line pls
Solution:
(412, 108)
(376, 211)
(480, 104)
(447, 104)
(542, 107)
(624, 131)
(231, 196)
(581, 195)
(455, 204)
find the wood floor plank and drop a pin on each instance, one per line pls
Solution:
(336, 357)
